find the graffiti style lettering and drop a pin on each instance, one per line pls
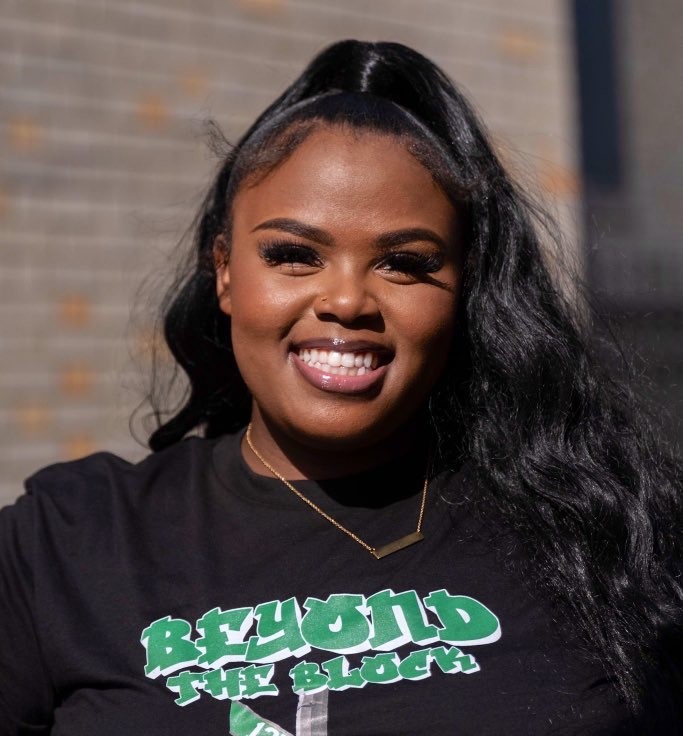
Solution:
(223, 633)
(453, 660)
(307, 678)
(399, 618)
(338, 624)
(187, 684)
(344, 624)
(416, 666)
(168, 645)
(234, 684)
(464, 619)
(278, 633)
(224, 684)
(340, 677)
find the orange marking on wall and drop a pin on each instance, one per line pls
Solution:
(24, 134)
(193, 83)
(153, 112)
(520, 45)
(75, 310)
(558, 180)
(33, 418)
(76, 380)
(77, 446)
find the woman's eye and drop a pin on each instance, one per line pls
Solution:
(293, 255)
(413, 264)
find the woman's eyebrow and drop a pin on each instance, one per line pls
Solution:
(298, 228)
(409, 235)
(391, 239)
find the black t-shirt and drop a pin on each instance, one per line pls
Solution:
(188, 595)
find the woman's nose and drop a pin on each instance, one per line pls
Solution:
(345, 298)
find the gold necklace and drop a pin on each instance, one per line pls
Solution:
(377, 552)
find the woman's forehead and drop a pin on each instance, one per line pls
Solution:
(342, 173)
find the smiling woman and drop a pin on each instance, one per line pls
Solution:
(411, 472)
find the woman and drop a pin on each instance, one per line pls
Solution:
(418, 506)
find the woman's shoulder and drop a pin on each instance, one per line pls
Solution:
(98, 482)
(101, 502)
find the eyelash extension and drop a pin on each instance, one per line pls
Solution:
(414, 263)
(282, 252)
(279, 252)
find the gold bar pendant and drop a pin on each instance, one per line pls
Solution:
(398, 544)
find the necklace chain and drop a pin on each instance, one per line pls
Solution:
(414, 537)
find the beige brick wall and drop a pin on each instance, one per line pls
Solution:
(102, 164)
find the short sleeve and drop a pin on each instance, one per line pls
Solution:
(26, 694)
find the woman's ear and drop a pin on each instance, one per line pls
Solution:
(222, 268)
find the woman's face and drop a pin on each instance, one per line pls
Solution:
(341, 285)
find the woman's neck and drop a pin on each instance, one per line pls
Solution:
(298, 459)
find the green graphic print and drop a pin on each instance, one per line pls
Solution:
(232, 654)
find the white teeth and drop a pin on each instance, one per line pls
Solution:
(336, 363)
(334, 358)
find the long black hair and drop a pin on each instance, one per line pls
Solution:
(556, 443)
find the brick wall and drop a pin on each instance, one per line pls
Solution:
(102, 163)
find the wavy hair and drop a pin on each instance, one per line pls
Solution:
(556, 444)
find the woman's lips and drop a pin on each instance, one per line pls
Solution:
(337, 382)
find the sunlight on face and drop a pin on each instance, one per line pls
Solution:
(342, 287)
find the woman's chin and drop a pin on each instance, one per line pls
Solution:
(346, 431)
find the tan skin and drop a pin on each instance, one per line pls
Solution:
(349, 239)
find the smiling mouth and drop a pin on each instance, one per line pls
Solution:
(333, 362)
(358, 370)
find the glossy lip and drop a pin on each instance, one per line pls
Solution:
(335, 383)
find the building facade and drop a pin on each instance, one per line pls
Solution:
(103, 162)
